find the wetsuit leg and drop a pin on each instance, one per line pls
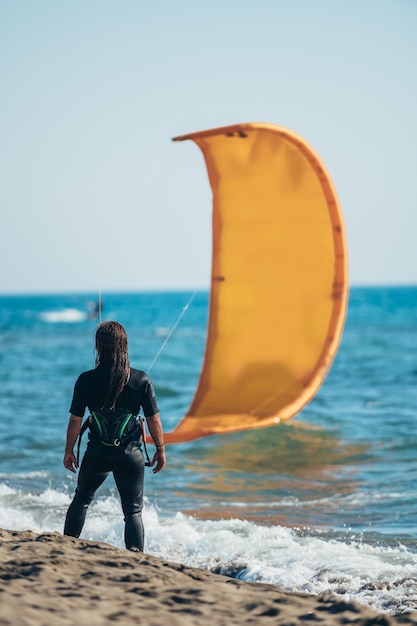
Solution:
(92, 474)
(128, 475)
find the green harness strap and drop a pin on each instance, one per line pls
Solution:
(117, 441)
(101, 426)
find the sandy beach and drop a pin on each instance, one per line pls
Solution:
(50, 579)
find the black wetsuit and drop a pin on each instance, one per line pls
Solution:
(126, 461)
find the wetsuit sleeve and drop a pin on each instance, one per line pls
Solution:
(149, 403)
(78, 404)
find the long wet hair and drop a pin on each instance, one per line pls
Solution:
(112, 359)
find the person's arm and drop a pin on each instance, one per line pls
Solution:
(73, 430)
(157, 434)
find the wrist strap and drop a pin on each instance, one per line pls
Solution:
(160, 446)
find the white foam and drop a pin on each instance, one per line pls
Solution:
(52, 497)
(16, 519)
(63, 315)
(5, 490)
(378, 575)
(25, 475)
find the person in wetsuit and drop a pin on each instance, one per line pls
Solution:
(111, 386)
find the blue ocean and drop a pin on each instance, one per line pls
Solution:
(324, 502)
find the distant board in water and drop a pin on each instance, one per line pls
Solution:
(279, 285)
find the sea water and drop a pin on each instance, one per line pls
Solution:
(324, 502)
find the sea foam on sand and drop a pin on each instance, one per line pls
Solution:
(50, 579)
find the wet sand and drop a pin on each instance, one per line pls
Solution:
(49, 579)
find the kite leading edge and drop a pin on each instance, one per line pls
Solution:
(279, 285)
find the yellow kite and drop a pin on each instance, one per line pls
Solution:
(279, 286)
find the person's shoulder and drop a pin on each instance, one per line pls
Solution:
(138, 377)
(86, 376)
(135, 373)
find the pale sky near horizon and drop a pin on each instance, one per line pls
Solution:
(94, 195)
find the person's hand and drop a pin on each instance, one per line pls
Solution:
(160, 459)
(70, 462)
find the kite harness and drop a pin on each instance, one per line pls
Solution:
(114, 427)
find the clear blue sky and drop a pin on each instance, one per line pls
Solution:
(94, 195)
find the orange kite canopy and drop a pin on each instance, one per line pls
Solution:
(279, 286)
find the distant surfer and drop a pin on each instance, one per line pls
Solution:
(95, 310)
(113, 392)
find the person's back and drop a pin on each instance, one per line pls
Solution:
(112, 390)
